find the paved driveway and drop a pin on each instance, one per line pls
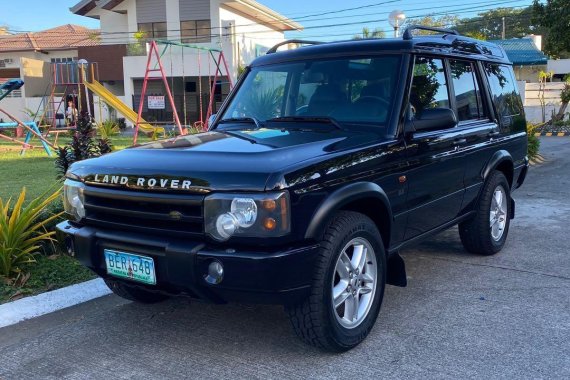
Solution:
(461, 316)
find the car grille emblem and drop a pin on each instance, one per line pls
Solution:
(176, 215)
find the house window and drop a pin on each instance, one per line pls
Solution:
(154, 30)
(195, 31)
(63, 60)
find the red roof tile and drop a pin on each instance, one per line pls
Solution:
(59, 38)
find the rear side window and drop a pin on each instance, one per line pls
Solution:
(429, 87)
(505, 92)
(466, 88)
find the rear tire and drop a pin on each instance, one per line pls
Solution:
(132, 293)
(348, 285)
(487, 232)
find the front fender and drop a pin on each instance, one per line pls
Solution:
(342, 197)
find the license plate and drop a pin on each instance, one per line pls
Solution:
(130, 266)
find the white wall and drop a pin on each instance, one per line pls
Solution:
(532, 105)
(248, 34)
(559, 66)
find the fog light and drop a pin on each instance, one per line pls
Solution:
(215, 273)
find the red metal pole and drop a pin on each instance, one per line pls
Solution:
(212, 93)
(227, 70)
(143, 93)
(172, 104)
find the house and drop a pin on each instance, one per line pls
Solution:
(242, 29)
(27, 56)
(526, 55)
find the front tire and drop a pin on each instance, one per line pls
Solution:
(348, 285)
(486, 234)
(132, 293)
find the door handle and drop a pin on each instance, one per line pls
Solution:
(494, 134)
(459, 141)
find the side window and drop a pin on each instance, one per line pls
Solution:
(505, 93)
(429, 87)
(467, 94)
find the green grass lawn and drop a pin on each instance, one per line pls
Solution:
(35, 170)
(48, 273)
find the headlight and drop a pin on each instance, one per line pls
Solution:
(73, 200)
(251, 215)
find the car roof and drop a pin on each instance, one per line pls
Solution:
(441, 44)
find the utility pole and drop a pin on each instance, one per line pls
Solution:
(504, 28)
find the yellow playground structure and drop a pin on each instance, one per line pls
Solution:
(108, 97)
(70, 86)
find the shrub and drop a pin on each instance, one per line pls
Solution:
(82, 146)
(533, 141)
(22, 231)
(108, 129)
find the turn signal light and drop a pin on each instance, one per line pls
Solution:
(269, 224)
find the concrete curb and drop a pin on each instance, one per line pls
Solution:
(552, 134)
(45, 303)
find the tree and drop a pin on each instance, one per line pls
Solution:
(367, 33)
(518, 23)
(447, 21)
(554, 16)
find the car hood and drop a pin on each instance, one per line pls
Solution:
(226, 160)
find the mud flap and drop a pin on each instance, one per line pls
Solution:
(512, 216)
(396, 271)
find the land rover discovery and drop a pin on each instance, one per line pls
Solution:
(323, 163)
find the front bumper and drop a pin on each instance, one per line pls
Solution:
(282, 276)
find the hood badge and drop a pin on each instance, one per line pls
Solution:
(143, 182)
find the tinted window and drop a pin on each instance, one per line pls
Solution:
(354, 91)
(429, 87)
(505, 92)
(467, 94)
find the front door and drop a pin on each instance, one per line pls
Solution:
(436, 173)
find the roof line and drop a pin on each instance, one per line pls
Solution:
(271, 13)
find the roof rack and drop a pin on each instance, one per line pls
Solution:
(408, 32)
(302, 42)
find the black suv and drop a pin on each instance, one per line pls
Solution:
(323, 163)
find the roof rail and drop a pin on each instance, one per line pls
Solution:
(302, 42)
(408, 32)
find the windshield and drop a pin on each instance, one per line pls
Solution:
(345, 91)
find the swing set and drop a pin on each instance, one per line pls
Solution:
(155, 65)
(31, 128)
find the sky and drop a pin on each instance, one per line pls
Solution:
(34, 15)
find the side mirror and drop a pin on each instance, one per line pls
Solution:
(433, 119)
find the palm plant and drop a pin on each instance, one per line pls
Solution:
(108, 129)
(22, 231)
(368, 33)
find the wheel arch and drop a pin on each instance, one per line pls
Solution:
(503, 162)
(364, 197)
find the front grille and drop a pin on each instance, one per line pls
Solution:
(164, 214)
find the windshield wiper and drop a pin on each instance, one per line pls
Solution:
(250, 120)
(310, 119)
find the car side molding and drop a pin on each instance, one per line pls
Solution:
(342, 197)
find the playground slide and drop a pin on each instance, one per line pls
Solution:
(109, 98)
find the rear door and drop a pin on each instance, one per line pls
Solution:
(435, 178)
(476, 125)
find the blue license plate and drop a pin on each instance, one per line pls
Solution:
(129, 266)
